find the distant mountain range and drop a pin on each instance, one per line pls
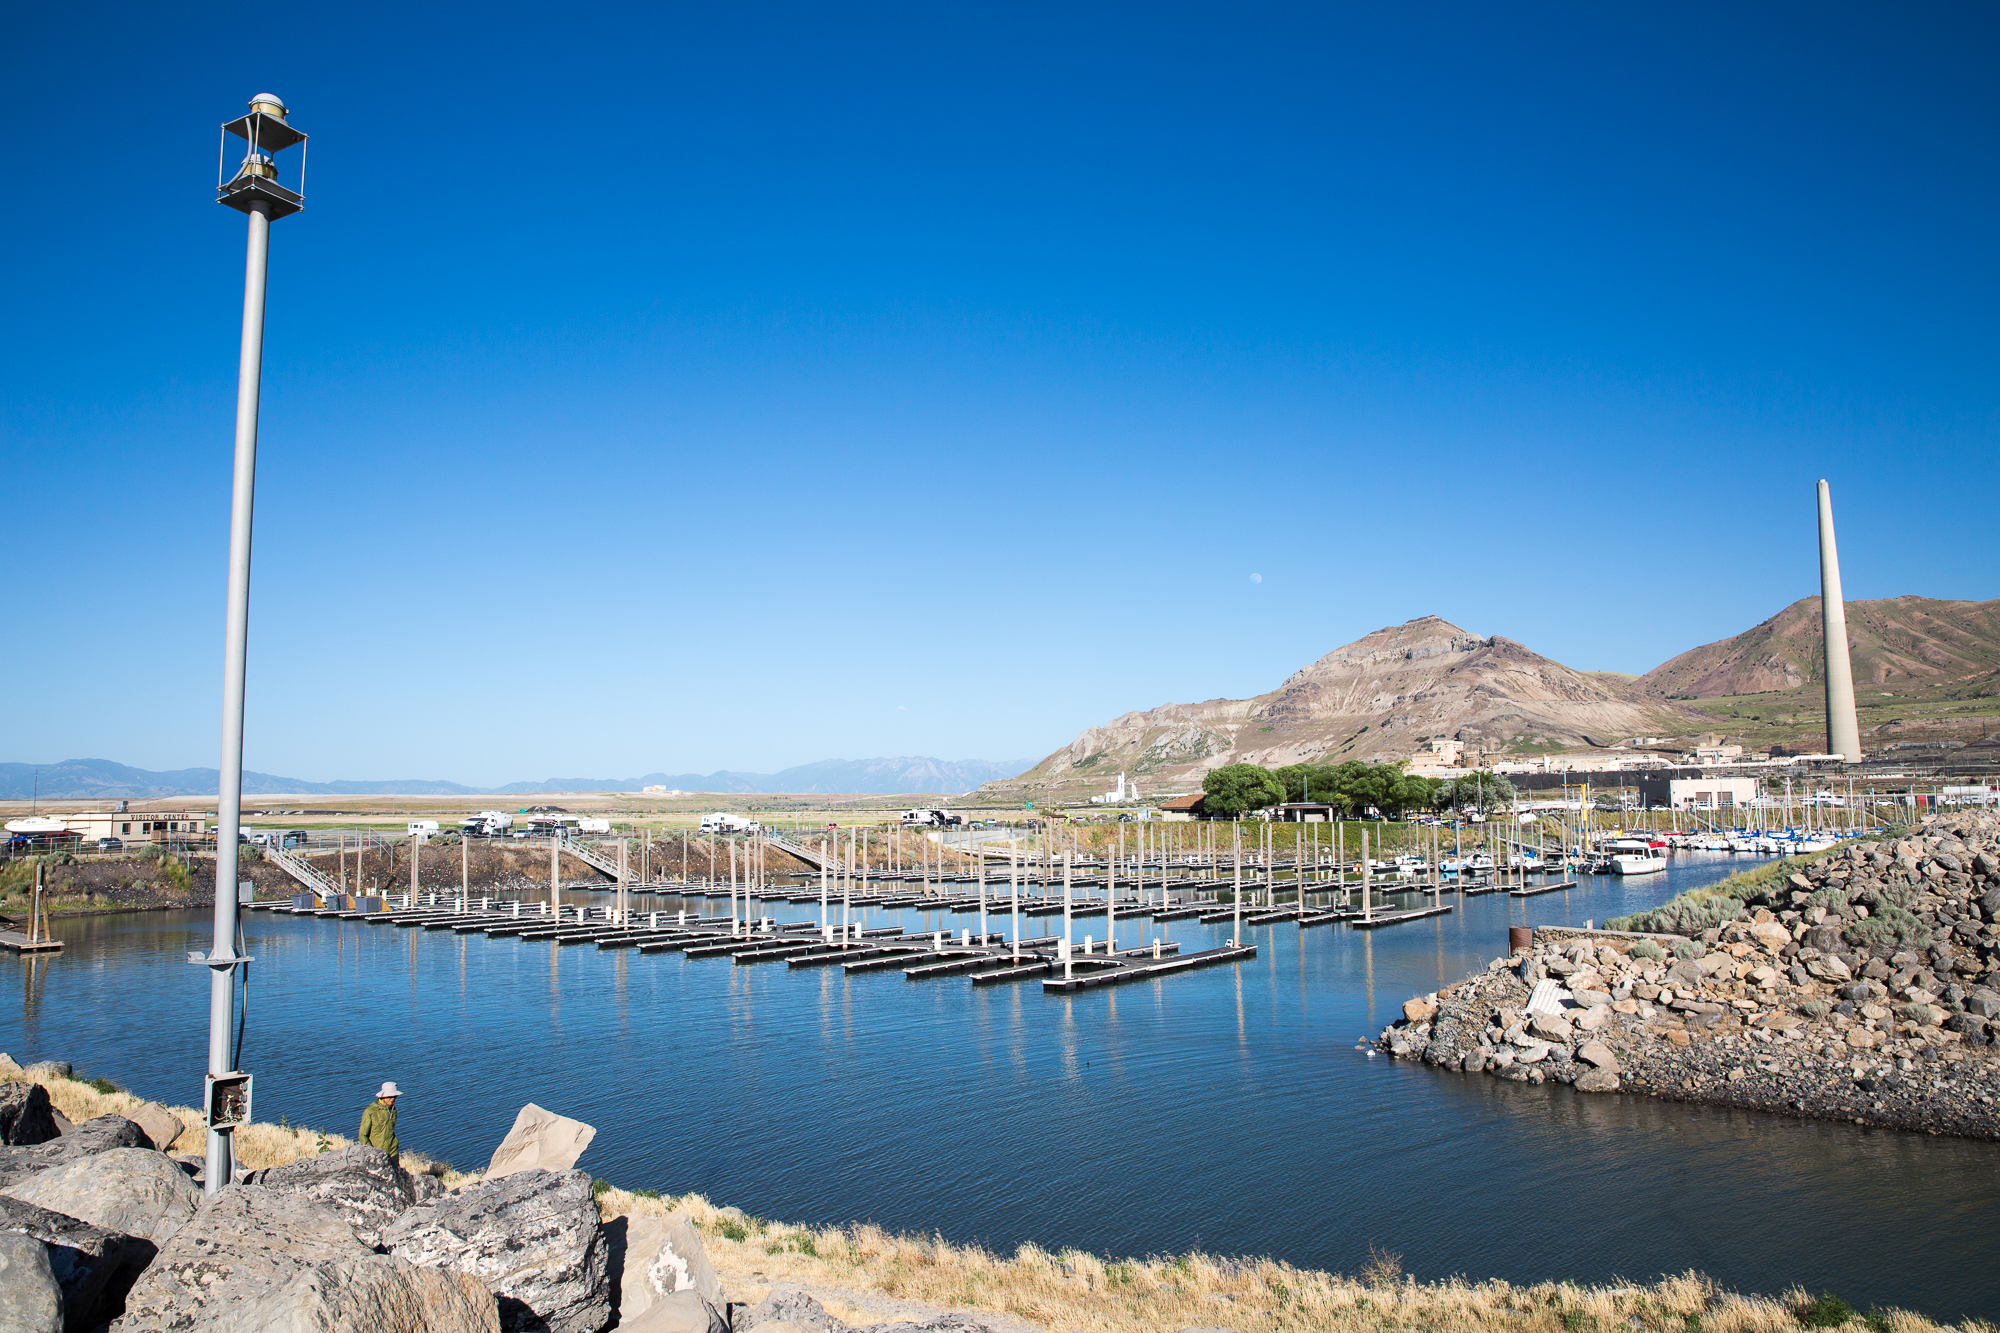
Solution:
(102, 779)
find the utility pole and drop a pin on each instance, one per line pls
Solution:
(254, 191)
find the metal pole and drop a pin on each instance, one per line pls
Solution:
(555, 879)
(464, 868)
(621, 881)
(222, 961)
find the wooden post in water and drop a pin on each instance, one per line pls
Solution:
(982, 895)
(1067, 947)
(732, 888)
(555, 878)
(464, 868)
(621, 881)
(1014, 889)
(825, 935)
(1367, 909)
(1236, 898)
(846, 889)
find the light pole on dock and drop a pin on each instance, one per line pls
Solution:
(253, 191)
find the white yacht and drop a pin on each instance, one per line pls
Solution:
(1636, 856)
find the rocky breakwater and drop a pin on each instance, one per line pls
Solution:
(1861, 986)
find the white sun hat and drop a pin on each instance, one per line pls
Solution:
(390, 1090)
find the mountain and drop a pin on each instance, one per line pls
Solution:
(1899, 644)
(850, 776)
(1382, 697)
(101, 779)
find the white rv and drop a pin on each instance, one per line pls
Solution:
(423, 828)
(724, 823)
(486, 824)
(593, 826)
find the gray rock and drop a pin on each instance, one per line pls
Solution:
(1983, 1001)
(30, 1299)
(94, 1267)
(92, 1136)
(534, 1239)
(1598, 1054)
(25, 1115)
(1550, 1028)
(134, 1190)
(358, 1182)
(376, 1292)
(788, 1305)
(1597, 1080)
(242, 1244)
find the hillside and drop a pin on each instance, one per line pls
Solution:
(1925, 670)
(1897, 644)
(1385, 696)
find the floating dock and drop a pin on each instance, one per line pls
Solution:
(13, 941)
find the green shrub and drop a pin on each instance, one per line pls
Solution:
(1648, 949)
(1690, 949)
(1888, 928)
(1829, 1311)
(1815, 1009)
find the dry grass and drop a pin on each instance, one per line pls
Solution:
(1082, 1292)
(258, 1145)
(1070, 1290)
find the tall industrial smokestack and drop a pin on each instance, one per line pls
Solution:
(1843, 732)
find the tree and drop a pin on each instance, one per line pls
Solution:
(1310, 782)
(1481, 791)
(1235, 788)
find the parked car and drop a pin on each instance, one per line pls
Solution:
(297, 837)
(110, 844)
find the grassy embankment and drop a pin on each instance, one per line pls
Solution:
(1075, 1291)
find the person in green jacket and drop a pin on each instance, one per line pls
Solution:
(378, 1122)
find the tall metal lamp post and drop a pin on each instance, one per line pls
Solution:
(252, 190)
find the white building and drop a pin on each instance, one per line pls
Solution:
(1119, 797)
(1710, 793)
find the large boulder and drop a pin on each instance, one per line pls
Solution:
(30, 1299)
(25, 1115)
(134, 1190)
(542, 1139)
(358, 1182)
(161, 1126)
(376, 1292)
(87, 1139)
(663, 1262)
(533, 1238)
(92, 1266)
(256, 1259)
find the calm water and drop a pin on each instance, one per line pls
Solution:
(1226, 1108)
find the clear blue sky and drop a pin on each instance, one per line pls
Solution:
(679, 387)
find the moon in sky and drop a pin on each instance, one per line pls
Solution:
(1256, 578)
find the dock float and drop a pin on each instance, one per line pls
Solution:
(1381, 919)
(1557, 887)
(1117, 971)
(13, 941)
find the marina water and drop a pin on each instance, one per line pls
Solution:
(1225, 1109)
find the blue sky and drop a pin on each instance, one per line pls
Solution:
(672, 388)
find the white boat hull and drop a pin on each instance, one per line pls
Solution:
(1638, 865)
